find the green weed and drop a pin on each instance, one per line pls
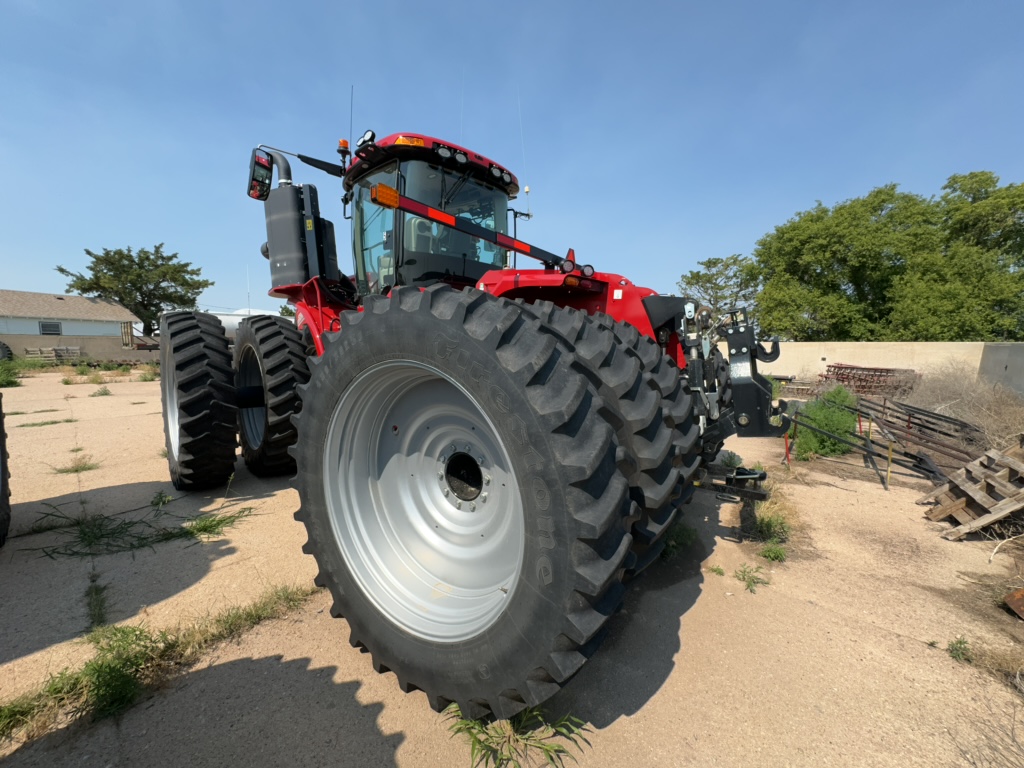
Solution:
(717, 570)
(679, 537)
(101, 392)
(751, 577)
(96, 378)
(82, 370)
(523, 740)
(773, 551)
(96, 601)
(960, 649)
(68, 380)
(730, 459)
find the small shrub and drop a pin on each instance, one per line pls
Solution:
(960, 649)
(828, 414)
(96, 378)
(108, 366)
(776, 386)
(124, 369)
(147, 376)
(525, 739)
(101, 392)
(82, 370)
(717, 570)
(68, 380)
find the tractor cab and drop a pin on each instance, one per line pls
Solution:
(392, 246)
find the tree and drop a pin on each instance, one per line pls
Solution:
(722, 283)
(147, 282)
(286, 310)
(898, 266)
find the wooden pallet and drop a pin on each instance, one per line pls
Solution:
(985, 491)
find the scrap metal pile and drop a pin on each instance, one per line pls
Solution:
(891, 382)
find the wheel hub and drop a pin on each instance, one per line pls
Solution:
(423, 501)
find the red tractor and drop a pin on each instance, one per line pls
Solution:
(482, 452)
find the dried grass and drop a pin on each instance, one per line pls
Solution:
(954, 389)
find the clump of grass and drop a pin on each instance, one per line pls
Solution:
(771, 526)
(82, 370)
(82, 463)
(717, 570)
(523, 740)
(8, 375)
(960, 650)
(129, 659)
(124, 369)
(101, 392)
(773, 551)
(96, 378)
(163, 453)
(679, 537)
(751, 577)
(93, 535)
(68, 380)
(77, 449)
(47, 423)
(827, 413)
(149, 373)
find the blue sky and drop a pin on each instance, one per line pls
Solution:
(652, 135)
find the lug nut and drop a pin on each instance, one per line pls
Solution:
(458, 505)
(483, 498)
(487, 479)
(445, 491)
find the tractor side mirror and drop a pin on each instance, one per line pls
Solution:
(261, 173)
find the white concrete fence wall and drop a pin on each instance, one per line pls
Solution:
(997, 362)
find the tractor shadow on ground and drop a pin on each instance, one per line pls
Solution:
(638, 655)
(46, 575)
(253, 712)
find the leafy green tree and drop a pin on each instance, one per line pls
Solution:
(721, 283)
(286, 310)
(146, 282)
(898, 266)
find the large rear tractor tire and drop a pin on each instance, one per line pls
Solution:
(5, 352)
(270, 364)
(198, 393)
(633, 402)
(461, 495)
(677, 407)
(5, 481)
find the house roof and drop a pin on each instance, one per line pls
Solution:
(55, 306)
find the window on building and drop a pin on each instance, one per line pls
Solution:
(49, 328)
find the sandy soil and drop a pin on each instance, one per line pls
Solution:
(830, 664)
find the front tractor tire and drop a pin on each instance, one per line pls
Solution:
(461, 496)
(198, 394)
(270, 364)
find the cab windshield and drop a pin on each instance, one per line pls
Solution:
(463, 197)
(393, 247)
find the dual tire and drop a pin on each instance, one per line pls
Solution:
(471, 474)
(212, 402)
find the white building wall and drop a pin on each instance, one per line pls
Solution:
(29, 326)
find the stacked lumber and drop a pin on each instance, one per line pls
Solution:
(986, 491)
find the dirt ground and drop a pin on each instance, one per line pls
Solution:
(839, 661)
